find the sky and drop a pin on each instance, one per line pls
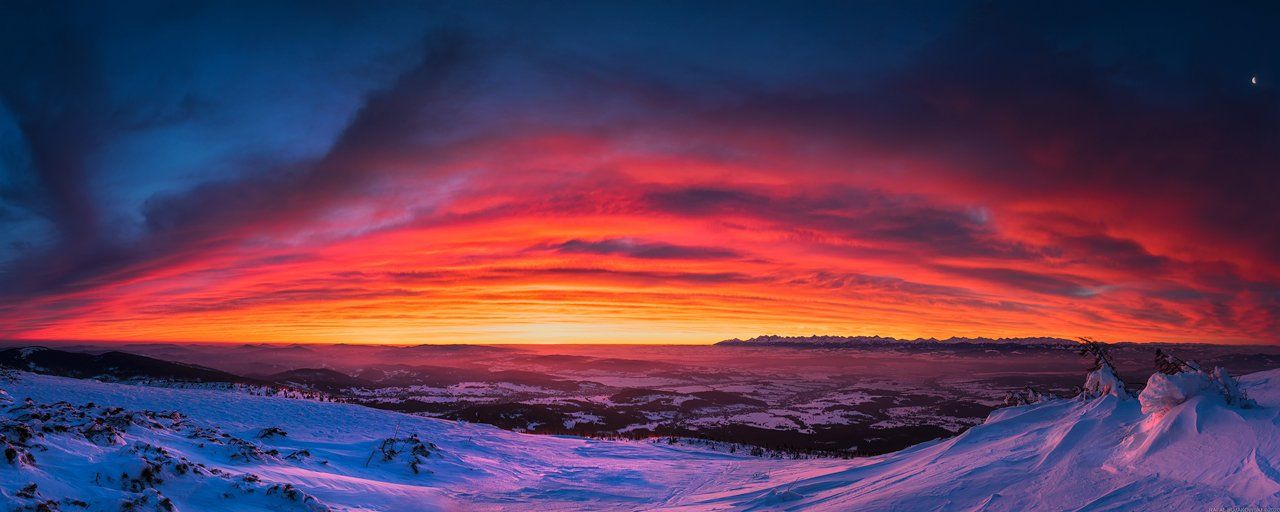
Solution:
(638, 172)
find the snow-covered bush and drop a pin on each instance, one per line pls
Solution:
(1102, 379)
(1166, 391)
(1103, 382)
(1025, 396)
(1230, 389)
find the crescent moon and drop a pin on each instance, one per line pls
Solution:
(1254, 80)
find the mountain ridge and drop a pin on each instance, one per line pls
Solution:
(114, 365)
(833, 341)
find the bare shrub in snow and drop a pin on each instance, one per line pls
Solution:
(102, 434)
(236, 449)
(1169, 364)
(17, 441)
(272, 432)
(31, 500)
(18, 455)
(291, 493)
(245, 451)
(30, 491)
(151, 501)
(411, 449)
(1101, 356)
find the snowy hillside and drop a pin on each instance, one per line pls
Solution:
(96, 446)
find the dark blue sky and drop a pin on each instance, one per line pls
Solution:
(137, 136)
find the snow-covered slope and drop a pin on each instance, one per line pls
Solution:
(468, 466)
(1098, 454)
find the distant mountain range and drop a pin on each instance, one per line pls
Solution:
(850, 341)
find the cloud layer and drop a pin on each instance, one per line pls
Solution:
(638, 173)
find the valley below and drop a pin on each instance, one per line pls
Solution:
(799, 397)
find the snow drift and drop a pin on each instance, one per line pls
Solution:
(1181, 445)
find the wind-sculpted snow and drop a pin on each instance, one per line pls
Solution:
(1068, 454)
(106, 446)
(1164, 392)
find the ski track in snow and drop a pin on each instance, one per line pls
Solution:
(1099, 454)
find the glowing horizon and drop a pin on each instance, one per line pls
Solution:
(357, 185)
